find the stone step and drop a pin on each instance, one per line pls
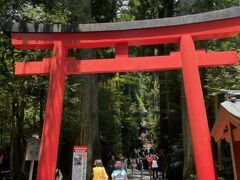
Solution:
(136, 175)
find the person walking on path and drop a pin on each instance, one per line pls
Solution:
(149, 159)
(124, 162)
(133, 165)
(155, 167)
(99, 172)
(110, 165)
(119, 173)
(162, 162)
(140, 166)
(59, 175)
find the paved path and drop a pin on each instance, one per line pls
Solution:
(137, 175)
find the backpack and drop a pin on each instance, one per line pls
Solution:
(149, 160)
(120, 175)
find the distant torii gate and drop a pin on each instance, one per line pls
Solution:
(181, 30)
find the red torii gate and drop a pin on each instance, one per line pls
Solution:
(181, 30)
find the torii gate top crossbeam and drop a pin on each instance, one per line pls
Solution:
(210, 25)
(116, 26)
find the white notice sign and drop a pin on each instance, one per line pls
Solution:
(79, 166)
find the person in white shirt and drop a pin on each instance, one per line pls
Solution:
(155, 167)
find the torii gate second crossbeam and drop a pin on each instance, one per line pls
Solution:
(181, 30)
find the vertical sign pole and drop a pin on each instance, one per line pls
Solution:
(196, 110)
(53, 116)
(31, 170)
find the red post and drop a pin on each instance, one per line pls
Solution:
(53, 116)
(196, 109)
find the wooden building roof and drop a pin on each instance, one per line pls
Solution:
(229, 112)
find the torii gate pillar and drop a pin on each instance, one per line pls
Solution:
(196, 110)
(53, 115)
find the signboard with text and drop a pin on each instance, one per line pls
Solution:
(33, 146)
(79, 165)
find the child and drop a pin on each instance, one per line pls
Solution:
(99, 172)
(119, 173)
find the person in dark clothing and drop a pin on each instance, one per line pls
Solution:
(5, 165)
(162, 163)
(140, 166)
(110, 165)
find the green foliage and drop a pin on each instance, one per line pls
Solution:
(184, 7)
(143, 9)
(38, 14)
(104, 10)
(209, 5)
(118, 113)
(223, 77)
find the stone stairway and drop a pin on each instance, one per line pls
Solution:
(136, 175)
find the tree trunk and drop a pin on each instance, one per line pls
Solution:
(12, 139)
(41, 107)
(90, 122)
(16, 149)
(170, 93)
(89, 133)
(219, 143)
(81, 12)
(1, 141)
(188, 167)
